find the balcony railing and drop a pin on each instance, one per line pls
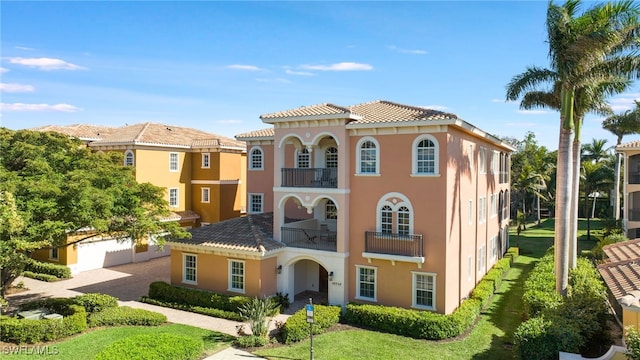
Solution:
(393, 244)
(310, 177)
(309, 239)
(634, 214)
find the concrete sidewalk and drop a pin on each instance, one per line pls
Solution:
(128, 283)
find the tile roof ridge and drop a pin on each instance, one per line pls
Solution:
(619, 263)
(141, 132)
(256, 234)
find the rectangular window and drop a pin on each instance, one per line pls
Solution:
(304, 160)
(494, 248)
(494, 205)
(366, 283)
(482, 210)
(53, 253)
(173, 197)
(205, 195)
(256, 203)
(173, 162)
(495, 162)
(403, 220)
(482, 161)
(368, 161)
(470, 211)
(386, 220)
(206, 160)
(469, 270)
(236, 276)
(424, 290)
(189, 274)
(482, 259)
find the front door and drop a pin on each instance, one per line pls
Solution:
(323, 280)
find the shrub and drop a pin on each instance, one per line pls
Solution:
(32, 331)
(125, 315)
(156, 346)
(632, 339)
(483, 292)
(195, 309)
(41, 277)
(297, 328)
(256, 312)
(282, 300)
(174, 294)
(39, 267)
(250, 341)
(542, 339)
(94, 302)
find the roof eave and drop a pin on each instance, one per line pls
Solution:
(346, 116)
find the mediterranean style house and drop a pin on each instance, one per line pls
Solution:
(378, 203)
(203, 173)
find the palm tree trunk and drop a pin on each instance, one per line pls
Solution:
(616, 204)
(564, 178)
(575, 196)
(538, 205)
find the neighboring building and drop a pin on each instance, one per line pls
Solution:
(631, 188)
(378, 203)
(621, 273)
(203, 173)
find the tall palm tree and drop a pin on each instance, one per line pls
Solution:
(621, 125)
(595, 151)
(596, 176)
(583, 51)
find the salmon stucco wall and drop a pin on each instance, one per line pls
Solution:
(631, 317)
(261, 181)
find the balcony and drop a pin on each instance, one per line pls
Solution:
(310, 177)
(322, 239)
(393, 246)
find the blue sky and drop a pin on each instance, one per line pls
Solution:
(217, 66)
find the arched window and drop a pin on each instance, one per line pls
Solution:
(331, 157)
(425, 156)
(367, 156)
(395, 214)
(303, 159)
(330, 210)
(128, 158)
(256, 159)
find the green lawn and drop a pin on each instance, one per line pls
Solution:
(490, 338)
(87, 345)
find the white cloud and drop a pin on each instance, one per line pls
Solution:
(24, 48)
(38, 107)
(435, 107)
(299, 73)
(3, 70)
(533, 112)
(343, 66)
(624, 102)
(45, 64)
(243, 67)
(15, 88)
(407, 51)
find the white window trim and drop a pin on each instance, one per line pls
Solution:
(404, 201)
(494, 205)
(359, 155)
(177, 197)
(177, 162)
(494, 249)
(133, 158)
(250, 204)
(414, 156)
(57, 257)
(202, 193)
(482, 210)
(184, 268)
(244, 276)
(482, 160)
(297, 158)
(470, 211)
(482, 259)
(375, 283)
(414, 299)
(250, 160)
(207, 164)
(470, 269)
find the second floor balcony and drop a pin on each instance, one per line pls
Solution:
(322, 239)
(310, 177)
(400, 245)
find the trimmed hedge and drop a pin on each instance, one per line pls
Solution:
(94, 302)
(539, 338)
(162, 291)
(41, 277)
(33, 331)
(153, 347)
(125, 315)
(297, 328)
(229, 315)
(39, 267)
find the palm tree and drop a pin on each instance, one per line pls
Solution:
(621, 125)
(596, 151)
(583, 51)
(596, 176)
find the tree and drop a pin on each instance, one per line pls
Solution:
(60, 186)
(621, 125)
(596, 151)
(583, 50)
(597, 176)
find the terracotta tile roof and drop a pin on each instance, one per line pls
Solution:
(630, 145)
(159, 134)
(264, 133)
(80, 131)
(379, 111)
(621, 277)
(248, 233)
(623, 251)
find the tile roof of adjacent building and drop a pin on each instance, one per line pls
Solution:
(252, 233)
(379, 111)
(80, 131)
(630, 145)
(621, 272)
(147, 134)
(263, 133)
